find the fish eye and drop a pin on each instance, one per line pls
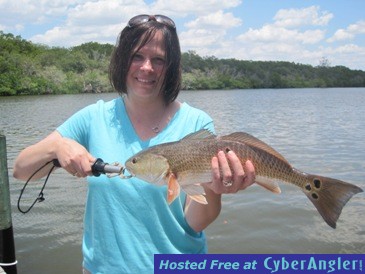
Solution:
(134, 160)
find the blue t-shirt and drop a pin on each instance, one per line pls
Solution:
(127, 221)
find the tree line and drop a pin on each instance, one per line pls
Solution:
(28, 68)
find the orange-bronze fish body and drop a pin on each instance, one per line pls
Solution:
(187, 164)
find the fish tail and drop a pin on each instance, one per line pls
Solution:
(329, 196)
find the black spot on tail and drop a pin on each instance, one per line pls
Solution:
(317, 183)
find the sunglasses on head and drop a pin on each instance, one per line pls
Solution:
(144, 18)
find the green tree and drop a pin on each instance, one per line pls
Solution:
(27, 68)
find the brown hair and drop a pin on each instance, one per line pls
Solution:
(137, 36)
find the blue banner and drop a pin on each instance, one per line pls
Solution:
(259, 263)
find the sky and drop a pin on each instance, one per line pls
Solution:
(299, 31)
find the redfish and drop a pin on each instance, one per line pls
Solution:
(186, 164)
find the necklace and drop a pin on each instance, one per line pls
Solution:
(156, 129)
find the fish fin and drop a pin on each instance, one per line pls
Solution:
(173, 188)
(195, 189)
(329, 196)
(253, 142)
(268, 184)
(195, 192)
(160, 180)
(199, 199)
(186, 177)
(200, 134)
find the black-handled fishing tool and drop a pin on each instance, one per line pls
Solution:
(97, 168)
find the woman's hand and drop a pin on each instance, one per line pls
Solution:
(228, 174)
(74, 158)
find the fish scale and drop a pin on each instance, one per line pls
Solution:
(187, 164)
(198, 154)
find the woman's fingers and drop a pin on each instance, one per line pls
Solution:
(228, 174)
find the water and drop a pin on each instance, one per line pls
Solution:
(318, 130)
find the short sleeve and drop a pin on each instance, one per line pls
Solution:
(77, 126)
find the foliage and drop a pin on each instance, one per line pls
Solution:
(27, 68)
(212, 73)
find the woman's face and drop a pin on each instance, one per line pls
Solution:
(147, 70)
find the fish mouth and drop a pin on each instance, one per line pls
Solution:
(128, 173)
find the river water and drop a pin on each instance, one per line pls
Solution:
(319, 131)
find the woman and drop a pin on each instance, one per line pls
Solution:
(127, 221)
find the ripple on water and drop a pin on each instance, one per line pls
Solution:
(317, 130)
